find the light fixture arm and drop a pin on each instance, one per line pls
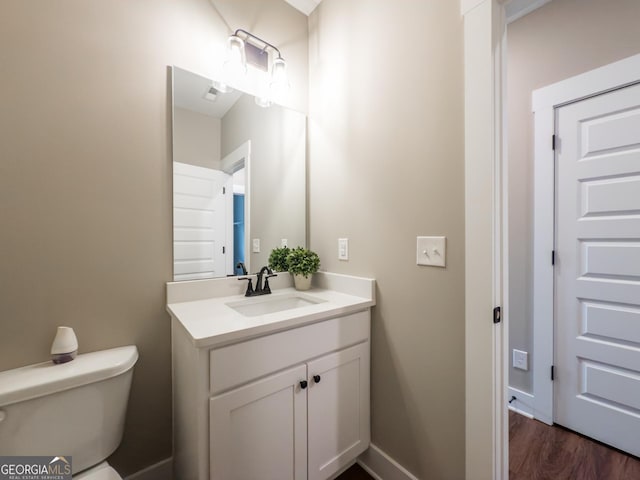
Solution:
(266, 44)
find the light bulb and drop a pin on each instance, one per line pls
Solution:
(263, 102)
(279, 81)
(221, 86)
(235, 66)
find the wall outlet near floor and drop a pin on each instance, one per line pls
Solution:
(343, 249)
(520, 359)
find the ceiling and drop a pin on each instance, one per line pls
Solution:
(189, 90)
(515, 8)
(305, 6)
(519, 8)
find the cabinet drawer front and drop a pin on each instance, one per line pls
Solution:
(242, 362)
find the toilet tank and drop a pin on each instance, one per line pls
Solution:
(73, 409)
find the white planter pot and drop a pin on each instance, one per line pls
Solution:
(302, 283)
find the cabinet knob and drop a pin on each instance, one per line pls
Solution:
(317, 378)
(303, 384)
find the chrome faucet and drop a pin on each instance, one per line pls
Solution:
(260, 288)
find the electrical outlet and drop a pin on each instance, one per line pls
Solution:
(520, 359)
(343, 249)
(284, 242)
(256, 245)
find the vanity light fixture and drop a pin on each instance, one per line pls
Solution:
(220, 87)
(235, 65)
(244, 47)
(263, 102)
(279, 81)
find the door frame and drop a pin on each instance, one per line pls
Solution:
(486, 252)
(545, 101)
(232, 162)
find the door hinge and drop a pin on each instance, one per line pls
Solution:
(497, 315)
(553, 373)
(553, 257)
(224, 249)
(553, 142)
(224, 190)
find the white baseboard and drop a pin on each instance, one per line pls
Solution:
(382, 467)
(376, 462)
(523, 404)
(160, 471)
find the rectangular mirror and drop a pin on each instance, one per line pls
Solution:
(239, 181)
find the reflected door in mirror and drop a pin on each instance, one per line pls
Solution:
(202, 201)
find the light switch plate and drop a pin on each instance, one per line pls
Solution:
(256, 245)
(343, 249)
(431, 251)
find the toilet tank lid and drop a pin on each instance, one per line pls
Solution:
(45, 378)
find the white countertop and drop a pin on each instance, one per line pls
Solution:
(210, 321)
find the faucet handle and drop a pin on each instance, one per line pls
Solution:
(267, 288)
(241, 266)
(249, 286)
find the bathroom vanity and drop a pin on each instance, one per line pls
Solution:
(270, 387)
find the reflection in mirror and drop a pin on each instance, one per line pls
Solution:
(238, 179)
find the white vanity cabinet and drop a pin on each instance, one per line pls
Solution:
(338, 410)
(291, 405)
(260, 430)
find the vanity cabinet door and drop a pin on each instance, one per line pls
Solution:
(259, 431)
(338, 404)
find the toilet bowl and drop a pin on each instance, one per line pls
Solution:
(73, 409)
(103, 471)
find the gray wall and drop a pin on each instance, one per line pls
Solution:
(562, 39)
(196, 139)
(386, 146)
(85, 177)
(277, 179)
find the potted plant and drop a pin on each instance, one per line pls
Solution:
(302, 264)
(278, 259)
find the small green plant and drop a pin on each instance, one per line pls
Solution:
(303, 262)
(278, 259)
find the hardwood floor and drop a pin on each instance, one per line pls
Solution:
(540, 452)
(355, 473)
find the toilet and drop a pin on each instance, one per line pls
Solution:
(73, 409)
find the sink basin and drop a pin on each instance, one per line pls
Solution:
(252, 307)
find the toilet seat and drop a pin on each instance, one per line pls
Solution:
(103, 471)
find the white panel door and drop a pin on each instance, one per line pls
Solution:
(338, 410)
(597, 308)
(201, 199)
(259, 431)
